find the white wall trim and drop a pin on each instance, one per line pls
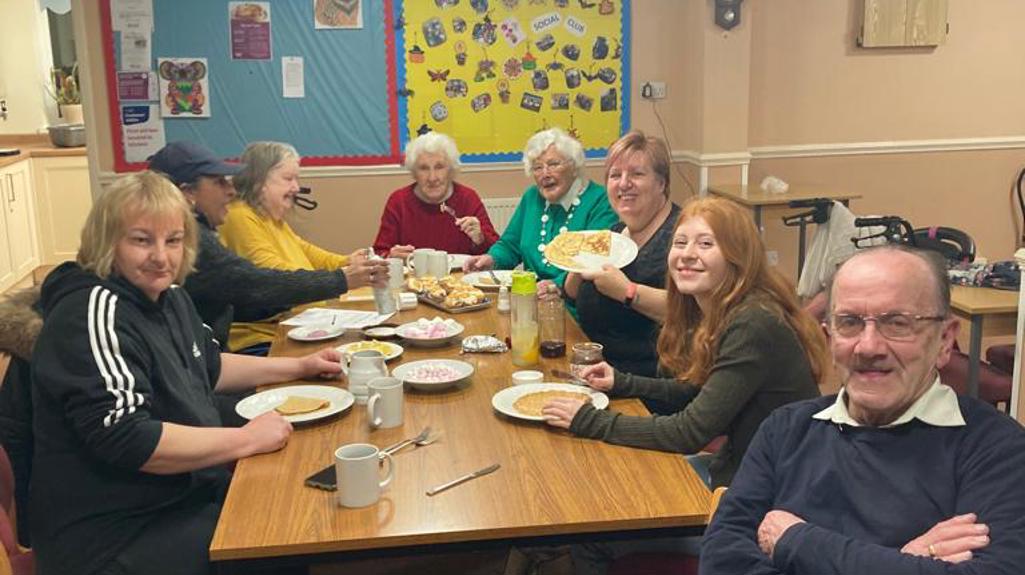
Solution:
(888, 147)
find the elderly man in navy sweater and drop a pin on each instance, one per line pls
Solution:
(896, 473)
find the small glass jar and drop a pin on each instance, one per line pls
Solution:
(552, 317)
(585, 354)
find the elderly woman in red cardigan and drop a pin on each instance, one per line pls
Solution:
(434, 211)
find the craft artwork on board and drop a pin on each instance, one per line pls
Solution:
(338, 14)
(491, 73)
(184, 88)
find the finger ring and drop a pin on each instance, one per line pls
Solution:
(932, 550)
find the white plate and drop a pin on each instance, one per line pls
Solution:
(260, 403)
(403, 329)
(315, 332)
(503, 400)
(394, 349)
(405, 371)
(482, 280)
(622, 251)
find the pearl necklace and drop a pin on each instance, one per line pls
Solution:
(569, 217)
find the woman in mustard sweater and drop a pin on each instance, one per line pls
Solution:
(255, 228)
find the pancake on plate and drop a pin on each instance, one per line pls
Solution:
(598, 243)
(530, 404)
(297, 405)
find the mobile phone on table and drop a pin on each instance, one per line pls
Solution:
(324, 479)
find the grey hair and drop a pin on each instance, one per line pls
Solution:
(568, 147)
(433, 143)
(933, 261)
(259, 159)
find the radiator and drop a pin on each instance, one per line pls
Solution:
(500, 210)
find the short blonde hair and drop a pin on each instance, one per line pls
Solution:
(142, 194)
(568, 147)
(259, 159)
(433, 143)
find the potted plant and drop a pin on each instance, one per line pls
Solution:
(65, 92)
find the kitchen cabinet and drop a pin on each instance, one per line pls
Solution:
(19, 254)
(63, 199)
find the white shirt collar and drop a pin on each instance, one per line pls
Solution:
(937, 406)
(567, 199)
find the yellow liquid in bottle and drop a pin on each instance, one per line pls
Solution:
(526, 345)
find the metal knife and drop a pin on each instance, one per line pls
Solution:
(463, 479)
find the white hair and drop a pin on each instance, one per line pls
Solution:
(432, 143)
(567, 146)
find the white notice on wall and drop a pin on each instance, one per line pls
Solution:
(135, 52)
(134, 16)
(292, 83)
(142, 131)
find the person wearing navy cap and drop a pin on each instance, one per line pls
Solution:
(224, 286)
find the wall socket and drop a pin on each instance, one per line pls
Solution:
(653, 90)
(772, 256)
(3, 108)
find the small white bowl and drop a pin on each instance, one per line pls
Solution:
(527, 376)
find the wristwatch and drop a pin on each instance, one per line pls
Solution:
(631, 295)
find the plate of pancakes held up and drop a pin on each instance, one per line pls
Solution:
(589, 250)
(297, 403)
(449, 293)
(525, 401)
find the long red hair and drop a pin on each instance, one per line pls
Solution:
(688, 342)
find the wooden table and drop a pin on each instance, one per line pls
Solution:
(976, 304)
(550, 483)
(756, 199)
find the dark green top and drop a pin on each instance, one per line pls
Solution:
(760, 366)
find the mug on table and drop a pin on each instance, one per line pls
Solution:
(384, 409)
(420, 262)
(357, 466)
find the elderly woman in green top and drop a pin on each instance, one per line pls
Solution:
(561, 199)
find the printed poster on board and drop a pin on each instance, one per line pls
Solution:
(184, 88)
(493, 73)
(341, 14)
(142, 131)
(249, 29)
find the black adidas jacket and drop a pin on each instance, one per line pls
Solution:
(109, 367)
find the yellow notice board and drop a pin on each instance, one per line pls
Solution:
(491, 73)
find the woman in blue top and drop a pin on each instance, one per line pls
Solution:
(561, 199)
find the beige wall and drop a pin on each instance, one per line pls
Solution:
(789, 75)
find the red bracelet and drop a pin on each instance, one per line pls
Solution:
(631, 295)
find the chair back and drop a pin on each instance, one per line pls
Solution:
(955, 245)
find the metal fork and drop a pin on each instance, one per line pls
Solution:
(423, 436)
(448, 210)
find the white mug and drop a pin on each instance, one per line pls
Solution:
(437, 263)
(357, 466)
(420, 265)
(384, 409)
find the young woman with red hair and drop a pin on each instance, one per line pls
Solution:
(735, 343)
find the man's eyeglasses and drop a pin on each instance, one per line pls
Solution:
(894, 325)
(551, 166)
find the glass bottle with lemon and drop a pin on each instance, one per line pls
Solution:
(526, 337)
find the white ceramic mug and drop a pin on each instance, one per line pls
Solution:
(357, 466)
(420, 264)
(384, 409)
(437, 263)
